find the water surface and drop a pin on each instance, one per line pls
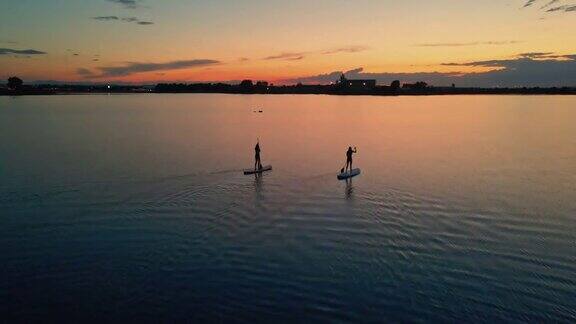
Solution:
(134, 207)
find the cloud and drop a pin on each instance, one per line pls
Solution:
(522, 57)
(9, 42)
(568, 7)
(535, 54)
(106, 18)
(347, 49)
(8, 51)
(84, 72)
(565, 8)
(135, 67)
(287, 56)
(491, 43)
(524, 70)
(129, 4)
(123, 19)
(551, 2)
(296, 56)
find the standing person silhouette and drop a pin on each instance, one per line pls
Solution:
(257, 162)
(349, 158)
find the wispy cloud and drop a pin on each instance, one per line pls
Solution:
(287, 56)
(129, 4)
(554, 5)
(564, 8)
(123, 19)
(456, 44)
(84, 72)
(526, 56)
(136, 67)
(8, 51)
(296, 56)
(551, 2)
(535, 55)
(530, 56)
(347, 49)
(106, 18)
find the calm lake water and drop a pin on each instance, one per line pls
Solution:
(134, 207)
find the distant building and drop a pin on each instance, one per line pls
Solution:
(358, 84)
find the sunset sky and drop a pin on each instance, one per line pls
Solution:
(485, 43)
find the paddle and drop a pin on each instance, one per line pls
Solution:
(342, 170)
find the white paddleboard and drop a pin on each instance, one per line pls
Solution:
(349, 174)
(254, 171)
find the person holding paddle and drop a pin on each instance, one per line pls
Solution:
(344, 173)
(257, 162)
(349, 158)
(258, 167)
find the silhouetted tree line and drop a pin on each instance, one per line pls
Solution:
(395, 88)
(420, 85)
(263, 87)
(246, 86)
(16, 86)
(343, 86)
(15, 83)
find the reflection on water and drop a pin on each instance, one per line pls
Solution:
(135, 208)
(349, 189)
(258, 182)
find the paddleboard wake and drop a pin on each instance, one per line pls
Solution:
(254, 171)
(348, 174)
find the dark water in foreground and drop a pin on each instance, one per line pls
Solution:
(133, 207)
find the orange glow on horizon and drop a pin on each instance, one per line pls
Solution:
(273, 41)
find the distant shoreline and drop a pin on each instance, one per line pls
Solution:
(456, 92)
(341, 87)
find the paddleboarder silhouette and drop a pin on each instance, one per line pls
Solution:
(349, 159)
(257, 161)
